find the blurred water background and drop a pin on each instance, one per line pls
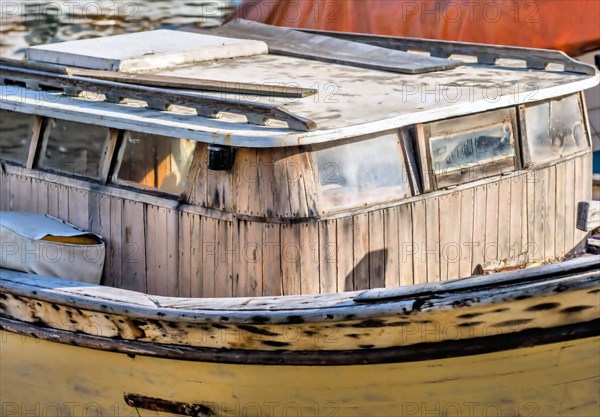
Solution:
(24, 23)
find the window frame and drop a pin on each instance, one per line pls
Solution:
(114, 180)
(105, 159)
(526, 159)
(433, 181)
(405, 158)
(36, 131)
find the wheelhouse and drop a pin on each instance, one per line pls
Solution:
(412, 191)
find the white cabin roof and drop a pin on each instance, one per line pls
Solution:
(350, 102)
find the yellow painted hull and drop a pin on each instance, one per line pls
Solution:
(44, 378)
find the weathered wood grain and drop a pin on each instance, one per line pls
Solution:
(197, 187)
(295, 168)
(33, 188)
(79, 208)
(550, 220)
(345, 254)
(290, 259)
(407, 245)
(117, 251)
(281, 183)
(540, 212)
(53, 199)
(208, 256)
(197, 256)
(102, 226)
(133, 238)
(246, 182)
(185, 255)
(272, 261)
(505, 204)
(310, 177)
(42, 197)
(467, 212)
(156, 252)
(172, 265)
(328, 257)
(15, 186)
(568, 183)
(393, 247)
(451, 235)
(432, 242)
(361, 251)
(224, 258)
(265, 177)
(518, 220)
(309, 258)
(479, 226)
(490, 248)
(251, 251)
(377, 249)
(419, 242)
(560, 214)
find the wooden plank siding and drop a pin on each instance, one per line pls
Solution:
(467, 210)
(268, 183)
(185, 255)
(440, 236)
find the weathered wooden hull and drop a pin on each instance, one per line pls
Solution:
(558, 379)
(523, 343)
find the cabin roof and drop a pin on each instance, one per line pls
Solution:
(351, 101)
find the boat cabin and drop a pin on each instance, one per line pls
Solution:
(262, 161)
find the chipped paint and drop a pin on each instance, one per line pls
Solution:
(450, 316)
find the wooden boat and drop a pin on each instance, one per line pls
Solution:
(307, 229)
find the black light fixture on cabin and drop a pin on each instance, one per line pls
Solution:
(220, 158)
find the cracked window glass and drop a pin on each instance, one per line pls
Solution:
(555, 129)
(361, 171)
(469, 141)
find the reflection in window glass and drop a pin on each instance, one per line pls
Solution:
(555, 129)
(156, 162)
(74, 148)
(358, 173)
(17, 130)
(470, 141)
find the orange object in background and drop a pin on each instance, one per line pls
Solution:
(568, 25)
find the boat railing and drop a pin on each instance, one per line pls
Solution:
(538, 59)
(11, 73)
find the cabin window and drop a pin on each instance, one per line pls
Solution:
(74, 148)
(554, 129)
(155, 162)
(17, 132)
(360, 172)
(471, 147)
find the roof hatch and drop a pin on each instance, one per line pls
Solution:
(144, 51)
